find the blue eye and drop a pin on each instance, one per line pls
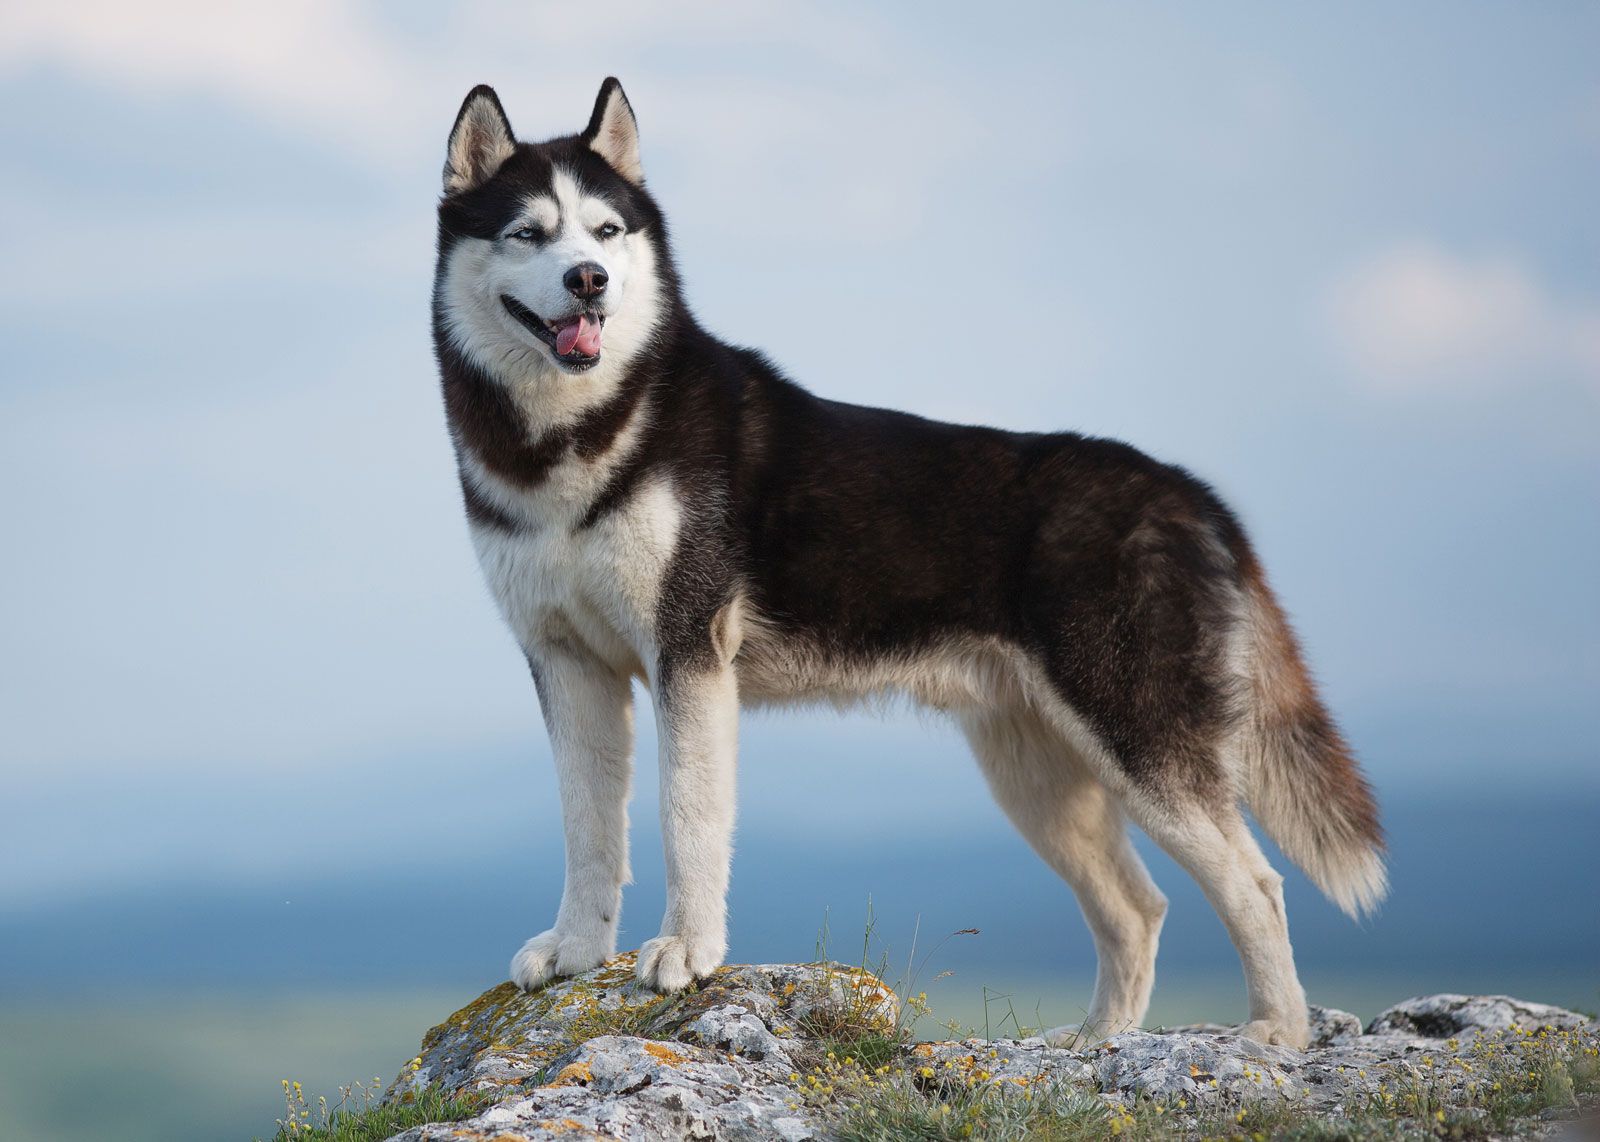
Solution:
(527, 234)
(609, 230)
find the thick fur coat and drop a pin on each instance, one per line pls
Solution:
(649, 502)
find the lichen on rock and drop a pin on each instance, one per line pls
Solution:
(597, 1056)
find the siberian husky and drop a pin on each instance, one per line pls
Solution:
(649, 502)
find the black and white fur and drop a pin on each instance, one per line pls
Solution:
(667, 507)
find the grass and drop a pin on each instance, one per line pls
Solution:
(900, 1108)
(638, 1019)
(855, 1024)
(1500, 1080)
(359, 1117)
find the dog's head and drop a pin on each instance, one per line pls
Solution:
(552, 256)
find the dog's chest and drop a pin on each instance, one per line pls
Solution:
(558, 580)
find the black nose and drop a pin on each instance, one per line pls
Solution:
(586, 280)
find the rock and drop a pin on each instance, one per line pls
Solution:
(734, 1029)
(743, 1056)
(1194, 1029)
(1450, 1016)
(1001, 1061)
(1330, 1026)
(1196, 1067)
(599, 1054)
(628, 1087)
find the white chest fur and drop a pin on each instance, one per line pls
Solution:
(556, 580)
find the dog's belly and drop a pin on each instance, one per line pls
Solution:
(598, 587)
(959, 673)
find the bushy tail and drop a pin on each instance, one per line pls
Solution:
(1302, 783)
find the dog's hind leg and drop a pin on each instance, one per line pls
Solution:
(1076, 825)
(1214, 844)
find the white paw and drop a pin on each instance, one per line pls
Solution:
(1280, 1034)
(672, 963)
(555, 953)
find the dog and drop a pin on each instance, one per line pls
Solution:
(647, 501)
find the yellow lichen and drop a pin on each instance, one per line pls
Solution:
(666, 1054)
(572, 1073)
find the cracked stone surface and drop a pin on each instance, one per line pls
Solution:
(1446, 1016)
(596, 1056)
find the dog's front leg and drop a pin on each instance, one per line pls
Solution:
(697, 715)
(588, 709)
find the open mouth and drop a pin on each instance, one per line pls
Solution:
(573, 340)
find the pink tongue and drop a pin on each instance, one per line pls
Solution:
(581, 334)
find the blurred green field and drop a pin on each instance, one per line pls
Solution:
(193, 1067)
(208, 1067)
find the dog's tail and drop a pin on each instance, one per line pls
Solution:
(1301, 781)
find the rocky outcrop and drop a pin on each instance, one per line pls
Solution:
(746, 1056)
(1447, 1016)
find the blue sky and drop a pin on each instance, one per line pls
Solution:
(1344, 263)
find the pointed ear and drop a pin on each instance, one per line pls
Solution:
(479, 142)
(613, 134)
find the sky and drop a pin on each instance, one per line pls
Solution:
(1343, 263)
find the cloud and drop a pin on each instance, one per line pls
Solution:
(351, 71)
(1417, 317)
(381, 88)
(295, 60)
